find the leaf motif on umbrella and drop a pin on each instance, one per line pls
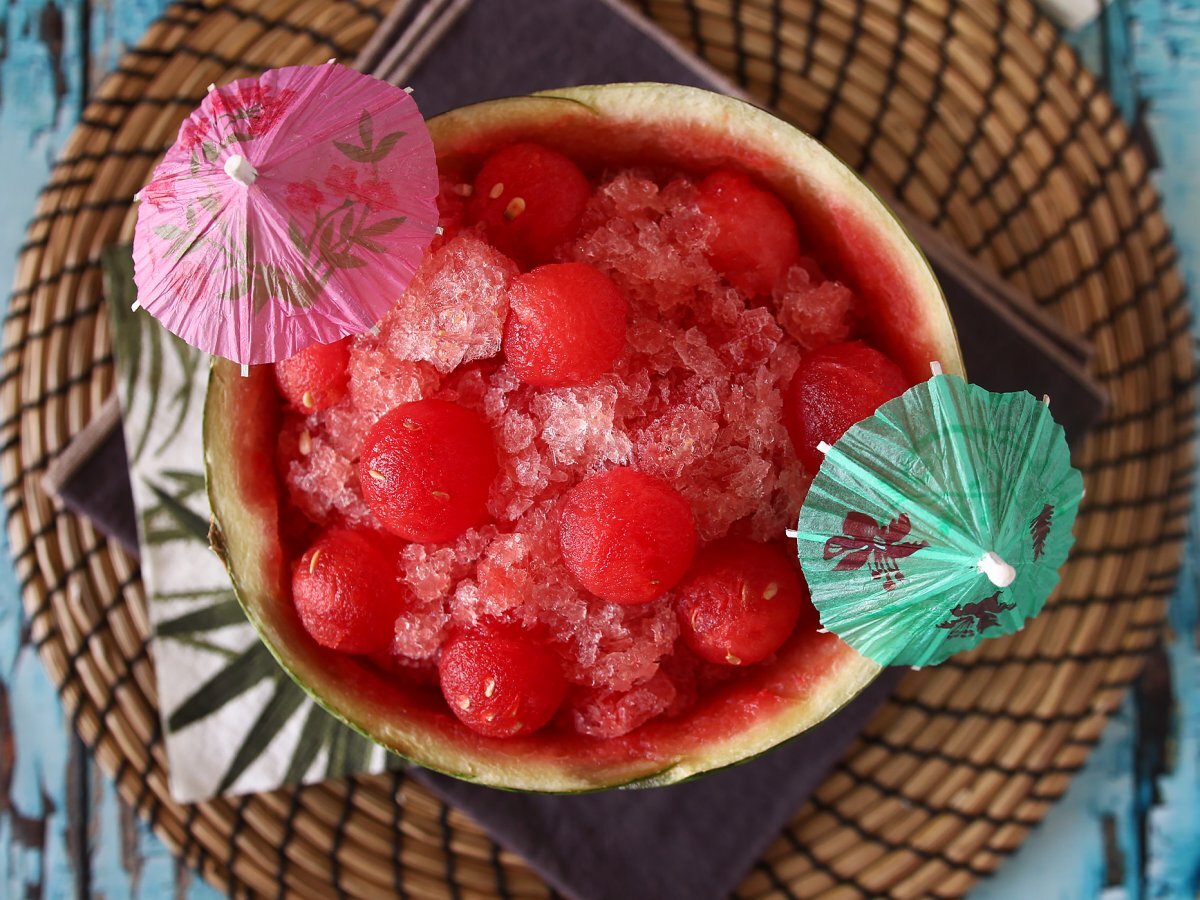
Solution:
(1039, 530)
(296, 289)
(970, 619)
(369, 152)
(867, 542)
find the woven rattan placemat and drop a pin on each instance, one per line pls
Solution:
(978, 117)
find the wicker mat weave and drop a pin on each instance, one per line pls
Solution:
(973, 113)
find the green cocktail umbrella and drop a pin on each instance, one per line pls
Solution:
(938, 521)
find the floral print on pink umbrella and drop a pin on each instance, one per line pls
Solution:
(292, 209)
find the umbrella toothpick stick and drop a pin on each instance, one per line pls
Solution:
(240, 169)
(999, 573)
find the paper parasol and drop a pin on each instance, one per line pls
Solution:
(292, 209)
(938, 521)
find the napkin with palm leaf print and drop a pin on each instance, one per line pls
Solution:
(222, 681)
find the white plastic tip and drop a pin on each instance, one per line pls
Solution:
(211, 88)
(245, 371)
(408, 90)
(822, 631)
(1046, 400)
(137, 197)
(374, 330)
(935, 367)
(135, 306)
(239, 169)
(792, 533)
(824, 447)
(916, 668)
(331, 61)
(999, 573)
(439, 230)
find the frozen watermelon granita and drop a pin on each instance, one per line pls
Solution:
(530, 531)
(685, 380)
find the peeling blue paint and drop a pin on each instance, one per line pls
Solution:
(40, 99)
(1173, 867)
(37, 794)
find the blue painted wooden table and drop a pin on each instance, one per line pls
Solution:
(1128, 828)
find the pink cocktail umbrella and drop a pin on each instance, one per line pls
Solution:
(293, 209)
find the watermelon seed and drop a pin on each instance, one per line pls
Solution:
(312, 563)
(307, 399)
(376, 475)
(655, 582)
(490, 687)
(515, 207)
(732, 660)
(771, 591)
(745, 593)
(490, 717)
(464, 702)
(410, 425)
(496, 191)
(441, 495)
(305, 443)
(464, 190)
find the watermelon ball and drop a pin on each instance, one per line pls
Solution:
(565, 326)
(315, 378)
(626, 536)
(530, 199)
(755, 241)
(346, 592)
(833, 388)
(740, 602)
(499, 686)
(426, 468)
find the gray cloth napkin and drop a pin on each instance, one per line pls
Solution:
(695, 840)
(689, 841)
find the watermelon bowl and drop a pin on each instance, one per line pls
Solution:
(517, 659)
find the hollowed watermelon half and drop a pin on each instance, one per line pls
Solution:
(813, 674)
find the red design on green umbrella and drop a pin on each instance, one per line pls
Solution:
(1039, 530)
(867, 542)
(970, 619)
